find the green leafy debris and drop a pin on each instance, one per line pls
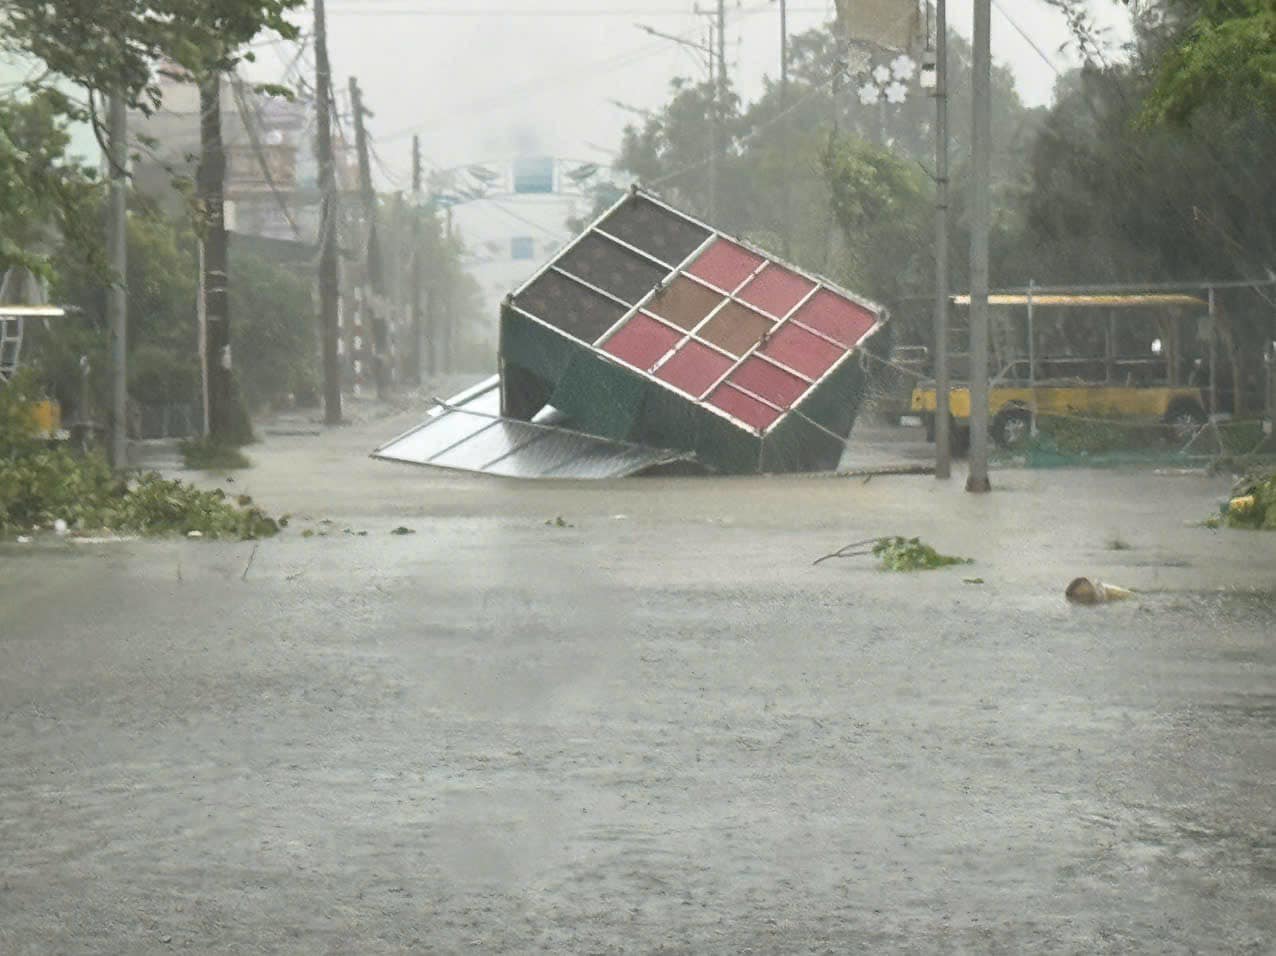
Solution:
(910, 554)
(1252, 504)
(38, 489)
(41, 485)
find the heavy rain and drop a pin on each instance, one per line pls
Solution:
(746, 476)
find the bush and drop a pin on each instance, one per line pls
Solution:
(40, 485)
(38, 489)
(1253, 504)
(1094, 433)
(18, 434)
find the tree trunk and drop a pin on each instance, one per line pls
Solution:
(211, 179)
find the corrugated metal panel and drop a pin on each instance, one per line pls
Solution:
(467, 434)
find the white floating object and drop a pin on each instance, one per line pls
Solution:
(903, 67)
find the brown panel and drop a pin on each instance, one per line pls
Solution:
(736, 329)
(684, 302)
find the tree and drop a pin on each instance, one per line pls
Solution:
(1225, 60)
(42, 193)
(101, 46)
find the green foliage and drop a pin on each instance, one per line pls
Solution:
(1225, 61)
(115, 44)
(1095, 432)
(910, 554)
(273, 331)
(881, 205)
(18, 433)
(162, 376)
(1253, 504)
(41, 487)
(43, 195)
(792, 167)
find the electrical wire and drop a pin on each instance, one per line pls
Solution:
(549, 13)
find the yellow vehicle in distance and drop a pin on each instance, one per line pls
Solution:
(1157, 386)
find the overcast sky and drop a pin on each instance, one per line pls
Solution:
(483, 79)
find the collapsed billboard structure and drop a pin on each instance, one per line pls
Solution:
(652, 330)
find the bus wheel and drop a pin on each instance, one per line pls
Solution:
(1184, 419)
(1011, 427)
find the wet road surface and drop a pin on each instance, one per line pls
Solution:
(655, 730)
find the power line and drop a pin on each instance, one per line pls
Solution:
(1027, 37)
(471, 13)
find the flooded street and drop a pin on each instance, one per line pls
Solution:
(657, 728)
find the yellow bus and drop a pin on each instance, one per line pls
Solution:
(1157, 383)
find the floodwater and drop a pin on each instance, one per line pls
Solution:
(657, 729)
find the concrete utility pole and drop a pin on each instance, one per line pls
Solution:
(211, 178)
(980, 216)
(719, 112)
(445, 320)
(117, 294)
(414, 286)
(373, 276)
(328, 289)
(786, 198)
(943, 446)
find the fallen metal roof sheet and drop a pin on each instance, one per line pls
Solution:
(467, 433)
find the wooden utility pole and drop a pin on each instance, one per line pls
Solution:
(414, 284)
(328, 290)
(373, 274)
(117, 295)
(980, 217)
(211, 179)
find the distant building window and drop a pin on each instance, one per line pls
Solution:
(522, 247)
(534, 174)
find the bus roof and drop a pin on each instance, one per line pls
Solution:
(1108, 301)
(32, 312)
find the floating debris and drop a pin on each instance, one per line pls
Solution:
(1087, 591)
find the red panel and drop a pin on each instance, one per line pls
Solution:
(765, 380)
(693, 368)
(642, 341)
(802, 351)
(776, 290)
(725, 264)
(838, 318)
(749, 410)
